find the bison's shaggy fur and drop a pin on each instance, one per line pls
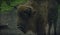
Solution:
(35, 15)
(32, 17)
(26, 20)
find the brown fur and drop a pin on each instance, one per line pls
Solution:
(31, 21)
(41, 9)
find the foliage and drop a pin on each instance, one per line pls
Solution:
(5, 7)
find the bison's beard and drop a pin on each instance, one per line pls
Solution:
(23, 26)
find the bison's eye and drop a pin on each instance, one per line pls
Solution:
(26, 13)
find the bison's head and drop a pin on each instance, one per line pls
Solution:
(24, 13)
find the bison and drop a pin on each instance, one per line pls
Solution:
(36, 14)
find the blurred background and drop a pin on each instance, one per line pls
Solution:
(8, 17)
